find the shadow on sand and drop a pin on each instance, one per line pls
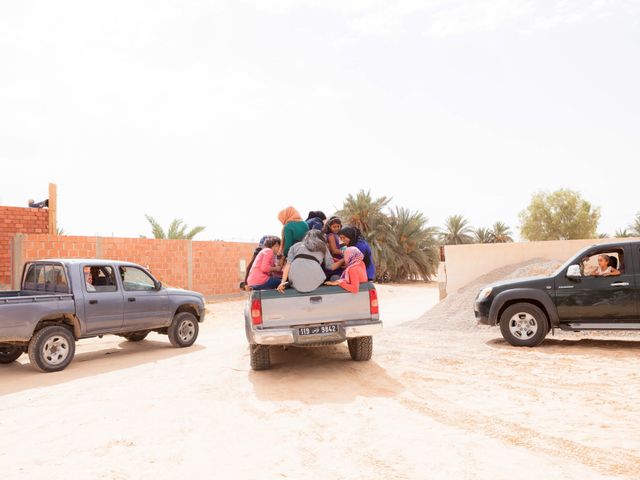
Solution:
(582, 346)
(321, 375)
(21, 375)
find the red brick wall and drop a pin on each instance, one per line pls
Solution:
(18, 220)
(215, 265)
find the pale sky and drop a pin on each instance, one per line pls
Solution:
(224, 112)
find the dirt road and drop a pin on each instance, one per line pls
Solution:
(433, 403)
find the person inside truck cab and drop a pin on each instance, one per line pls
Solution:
(88, 278)
(605, 266)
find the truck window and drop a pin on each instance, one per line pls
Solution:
(609, 261)
(136, 280)
(99, 278)
(46, 278)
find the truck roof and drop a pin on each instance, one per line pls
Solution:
(93, 261)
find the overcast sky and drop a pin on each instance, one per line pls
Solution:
(224, 112)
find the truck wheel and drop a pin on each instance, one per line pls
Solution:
(260, 357)
(524, 325)
(10, 353)
(136, 337)
(183, 331)
(360, 348)
(52, 349)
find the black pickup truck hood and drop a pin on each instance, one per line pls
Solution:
(539, 283)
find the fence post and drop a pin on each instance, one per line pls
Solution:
(98, 247)
(190, 264)
(17, 260)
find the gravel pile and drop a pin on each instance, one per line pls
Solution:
(455, 312)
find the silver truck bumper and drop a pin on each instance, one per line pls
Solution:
(289, 336)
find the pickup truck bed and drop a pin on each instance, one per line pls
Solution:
(326, 316)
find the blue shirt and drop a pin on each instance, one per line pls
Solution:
(364, 247)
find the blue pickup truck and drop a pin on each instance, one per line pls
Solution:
(63, 300)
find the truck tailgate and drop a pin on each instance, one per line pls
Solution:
(326, 304)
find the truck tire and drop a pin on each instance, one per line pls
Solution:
(136, 336)
(360, 348)
(524, 325)
(183, 331)
(260, 357)
(52, 348)
(10, 353)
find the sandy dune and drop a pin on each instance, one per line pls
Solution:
(433, 403)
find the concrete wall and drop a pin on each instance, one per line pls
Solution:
(17, 220)
(465, 263)
(212, 268)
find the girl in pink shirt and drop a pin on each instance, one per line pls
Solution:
(355, 271)
(261, 276)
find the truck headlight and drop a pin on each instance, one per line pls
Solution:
(484, 293)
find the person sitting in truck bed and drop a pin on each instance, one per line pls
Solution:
(294, 229)
(315, 220)
(262, 275)
(352, 237)
(354, 273)
(304, 269)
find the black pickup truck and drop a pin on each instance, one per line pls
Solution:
(598, 289)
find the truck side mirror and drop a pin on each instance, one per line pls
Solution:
(158, 285)
(574, 271)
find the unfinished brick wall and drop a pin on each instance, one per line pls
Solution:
(212, 268)
(17, 220)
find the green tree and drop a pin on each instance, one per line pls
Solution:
(635, 227)
(482, 235)
(412, 251)
(623, 233)
(456, 231)
(368, 214)
(177, 229)
(559, 215)
(501, 233)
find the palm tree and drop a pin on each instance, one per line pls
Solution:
(366, 213)
(635, 227)
(482, 235)
(623, 233)
(501, 233)
(177, 229)
(412, 251)
(456, 231)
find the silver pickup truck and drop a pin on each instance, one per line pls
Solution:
(326, 316)
(62, 301)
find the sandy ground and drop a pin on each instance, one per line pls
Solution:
(434, 402)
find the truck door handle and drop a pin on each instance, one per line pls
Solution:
(620, 284)
(315, 299)
(132, 299)
(93, 302)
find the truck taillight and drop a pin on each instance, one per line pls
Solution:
(373, 302)
(256, 311)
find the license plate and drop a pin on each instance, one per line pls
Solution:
(318, 330)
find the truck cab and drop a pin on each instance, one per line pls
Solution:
(597, 289)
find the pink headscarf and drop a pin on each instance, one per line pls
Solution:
(352, 255)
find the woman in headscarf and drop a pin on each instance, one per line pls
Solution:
(305, 262)
(352, 237)
(294, 228)
(354, 273)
